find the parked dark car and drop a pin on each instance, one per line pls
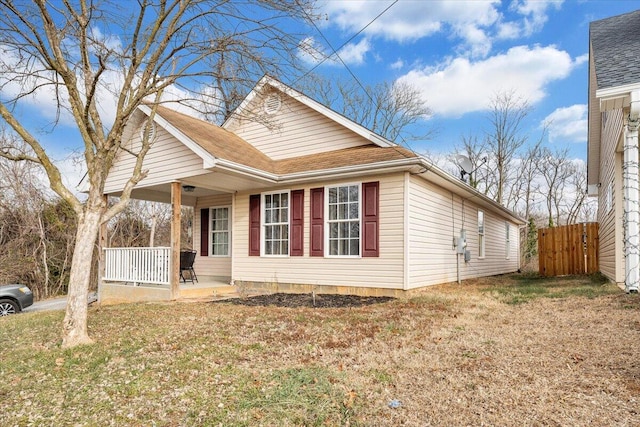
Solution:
(14, 298)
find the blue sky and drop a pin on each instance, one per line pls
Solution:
(461, 53)
(457, 53)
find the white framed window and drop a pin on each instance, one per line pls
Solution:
(608, 198)
(507, 239)
(220, 229)
(343, 220)
(480, 234)
(275, 223)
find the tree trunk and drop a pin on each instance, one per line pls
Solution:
(74, 326)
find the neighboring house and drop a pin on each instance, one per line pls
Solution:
(291, 195)
(612, 171)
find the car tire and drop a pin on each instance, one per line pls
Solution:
(8, 307)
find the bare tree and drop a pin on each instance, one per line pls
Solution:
(556, 172)
(388, 109)
(36, 231)
(84, 54)
(526, 183)
(504, 139)
(578, 189)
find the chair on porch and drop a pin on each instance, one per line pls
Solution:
(186, 264)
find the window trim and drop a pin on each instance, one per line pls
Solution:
(211, 231)
(507, 232)
(263, 226)
(608, 198)
(327, 221)
(481, 235)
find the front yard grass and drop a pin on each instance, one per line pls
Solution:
(468, 354)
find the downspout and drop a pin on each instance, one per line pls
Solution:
(632, 196)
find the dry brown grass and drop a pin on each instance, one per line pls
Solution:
(455, 355)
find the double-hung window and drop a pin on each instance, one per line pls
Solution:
(275, 221)
(480, 234)
(220, 231)
(343, 220)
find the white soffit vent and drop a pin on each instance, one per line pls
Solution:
(272, 103)
(152, 130)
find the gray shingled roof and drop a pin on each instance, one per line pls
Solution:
(616, 49)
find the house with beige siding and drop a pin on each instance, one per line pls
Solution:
(612, 166)
(292, 196)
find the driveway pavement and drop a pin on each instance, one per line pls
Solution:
(59, 303)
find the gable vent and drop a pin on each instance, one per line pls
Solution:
(152, 131)
(272, 103)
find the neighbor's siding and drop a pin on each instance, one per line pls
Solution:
(210, 265)
(385, 271)
(611, 254)
(166, 156)
(298, 131)
(436, 217)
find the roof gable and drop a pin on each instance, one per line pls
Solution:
(267, 84)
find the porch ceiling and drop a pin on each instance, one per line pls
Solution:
(210, 183)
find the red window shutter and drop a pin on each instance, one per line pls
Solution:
(254, 225)
(204, 232)
(296, 235)
(317, 222)
(371, 219)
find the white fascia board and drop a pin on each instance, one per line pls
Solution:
(246, 170)
(616, 97)
(208, 159)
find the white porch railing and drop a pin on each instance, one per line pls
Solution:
(137, 265)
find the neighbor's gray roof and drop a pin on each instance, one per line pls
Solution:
(616, 49)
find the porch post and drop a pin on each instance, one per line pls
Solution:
(176, 204)
(631, 206)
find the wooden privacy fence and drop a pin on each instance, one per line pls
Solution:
(570, 249)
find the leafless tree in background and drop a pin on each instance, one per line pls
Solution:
(504, 139)
(84, 55)
(388, 109)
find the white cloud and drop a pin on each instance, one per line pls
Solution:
(474, 24)
(407, 21)
(355, 53)
(534, 13)
(311, 52)
(461, 86)
(568, 124)
(397, 65)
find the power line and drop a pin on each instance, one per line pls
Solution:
(335, 52)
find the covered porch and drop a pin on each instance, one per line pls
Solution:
(144, 274)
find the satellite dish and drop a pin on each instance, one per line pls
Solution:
(464, 163)
(466, 167)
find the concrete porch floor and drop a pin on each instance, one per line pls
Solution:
(205, 287)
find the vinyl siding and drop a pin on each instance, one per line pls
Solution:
(298, 130)
(436, 217)
(385, 271)
(164, 160)
(611, 256)
(210, 265)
